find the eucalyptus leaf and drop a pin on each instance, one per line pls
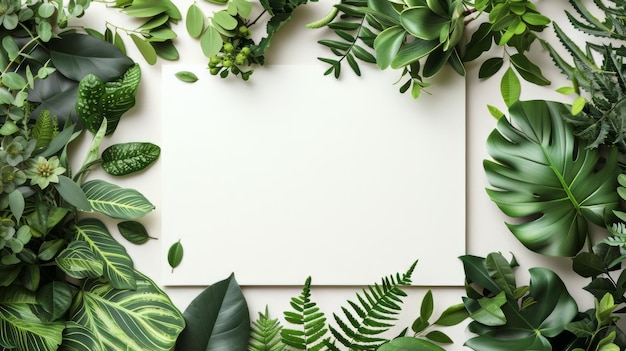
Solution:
(217, 319)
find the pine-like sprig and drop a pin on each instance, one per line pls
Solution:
(360, 327)
(265, 334)
(310, 321)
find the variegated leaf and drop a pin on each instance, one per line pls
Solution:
(142, 320)
(22, 330)
(123, 159)
(78, 261)
(98, 100)
(116, 202)
(78, 338)
(118, 266)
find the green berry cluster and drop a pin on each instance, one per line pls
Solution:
(236, 53)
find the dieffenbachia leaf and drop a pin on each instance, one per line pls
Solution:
(118, 266)
(116, 202)
(123, 159)
(142, 319)
(571, 185)
(98, 100)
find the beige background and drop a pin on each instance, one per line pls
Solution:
(485, 228)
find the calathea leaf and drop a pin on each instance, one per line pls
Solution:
(78, 261)
(116, 202)
(98, 100)
(22, 330)
(217, 319)
(541, 174)
(143, 319)
(118, 266)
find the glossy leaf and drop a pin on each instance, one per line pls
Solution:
(55, 298)
(452, 315)
(175, 254)
(116, 202)
(528, 70)
(142, 320)
(77, 55)
(118, 266)
(423, 23)
(127, 158)
(413, 51)
(571, 185)
(510, 87)
(217, 319)
(133, 231)
(490, 67)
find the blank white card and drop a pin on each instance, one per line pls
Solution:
(296, 174)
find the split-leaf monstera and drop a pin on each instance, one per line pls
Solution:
(543, 175)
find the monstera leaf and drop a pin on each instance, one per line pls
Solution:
(542, 175)
(531, 317)
(142, 320)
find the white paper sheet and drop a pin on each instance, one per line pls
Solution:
(295, 174)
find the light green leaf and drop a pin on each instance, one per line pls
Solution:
(142, 320)
(414, 51)
(578, 105)
(387, 44)
(211, 42)
(127, 158)
(17, 203)
(118, 266)
(224, 20)
(13, 80)
(187, 76)
(144, 47)
(116, 202)
(452, 315)
(78, 338)
(510, 87)
(194, 21)
(409, 343)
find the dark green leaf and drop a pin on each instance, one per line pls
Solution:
(55, 298)
(133, 231)
(72, 193)
(490, 67)
(427, 306)
(175, 254)
(422, 23)
(528, 70)
(587, 264)
(217, 319)
(439, 337)
(127, 158)
(409, 343)
(453, 315)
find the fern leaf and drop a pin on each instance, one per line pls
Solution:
(265, 334)
(44, 130)
(310, 321)
(377, 307)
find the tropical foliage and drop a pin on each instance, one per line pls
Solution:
(66, 283)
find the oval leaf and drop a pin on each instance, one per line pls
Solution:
(127, 158)
(116, 202)
(194, 21)
(133, 231)
(175, 254)
(186, 76)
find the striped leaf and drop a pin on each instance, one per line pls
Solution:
(78, 338)
(142, 320)
(118, 266)
(79, 262)
(22, 330)
(116, 202)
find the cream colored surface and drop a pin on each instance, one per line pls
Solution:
(486, 231)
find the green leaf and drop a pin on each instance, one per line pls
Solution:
(452, 315)
(224, 20)
(142, 320)
(501, 272)
(13, 80)
(186, 76)
(405, 343)
(324, 21)
(217, 319)
(558, 204)
(423, 23)
(175, 254)
(72, 193)
(490, 67)
(588, 264)
(578, 105)
(211, 42)
(79, 261)
(118, 266)
(427, 306)
(98, 100)
(55, 298)
(49, 249)
(487, 310)
(116, 202)
(145, 48)
(510, 87)
(528, 70)
(439, 337)
(133, 231)
(77, 55)
(22, 329)
(194, 21)
(78, 338)
(17, 203)
(413, 51)
(127, 158)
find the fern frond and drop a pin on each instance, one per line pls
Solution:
(265, 334)
(44, 129)
(362, 324)
(310, 321)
